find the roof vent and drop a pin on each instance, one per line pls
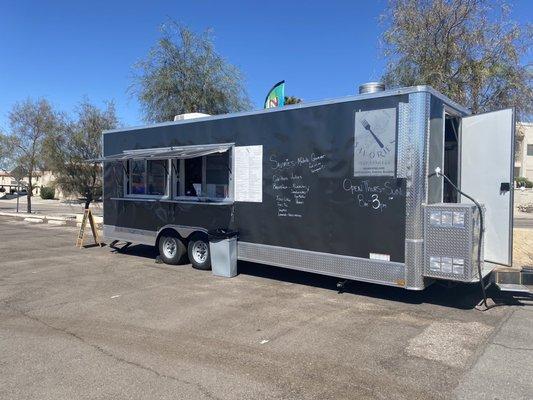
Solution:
(371, 87)
(181, 117)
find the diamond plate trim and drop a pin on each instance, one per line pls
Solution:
(453, 242)
(416, 187)
(130, 235)
(414, 256)
(402, 161)
(362, 269)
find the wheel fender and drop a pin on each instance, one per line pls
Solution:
(183, 232)
(167, 231)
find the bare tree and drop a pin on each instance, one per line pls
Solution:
(454, 46)
(30, 122)
(183, 73)
(68, 150)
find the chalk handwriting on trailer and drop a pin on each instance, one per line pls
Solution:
(290, 181)
(372, 196)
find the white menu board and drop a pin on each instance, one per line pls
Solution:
(248, 173)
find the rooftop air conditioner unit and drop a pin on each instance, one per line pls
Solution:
(182, 117)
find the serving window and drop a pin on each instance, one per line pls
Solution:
(147, 178)
(205, 177)
(193, 181)
(138, 176)
(157, 177)
(217, 170)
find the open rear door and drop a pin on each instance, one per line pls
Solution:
(487, 154)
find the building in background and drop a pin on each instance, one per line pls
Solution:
(523, 166)
(40, 179)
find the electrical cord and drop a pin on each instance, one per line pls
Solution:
(481, 231)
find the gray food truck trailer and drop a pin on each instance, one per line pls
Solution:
(342, 187)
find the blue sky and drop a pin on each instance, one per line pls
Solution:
(64, 50)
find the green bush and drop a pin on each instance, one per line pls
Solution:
(47, 193)
(521, 181)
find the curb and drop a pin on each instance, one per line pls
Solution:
(34, 220)
(50, 219)
(56, 222)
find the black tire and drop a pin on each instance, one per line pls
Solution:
(171, 249)
(197, 246)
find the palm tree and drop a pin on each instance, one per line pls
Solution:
(292, 100)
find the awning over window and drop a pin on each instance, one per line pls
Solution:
(169, 152)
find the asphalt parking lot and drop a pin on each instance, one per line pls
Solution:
(94, 324)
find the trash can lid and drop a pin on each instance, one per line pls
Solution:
(221, 233)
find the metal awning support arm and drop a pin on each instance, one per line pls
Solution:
(175, 169)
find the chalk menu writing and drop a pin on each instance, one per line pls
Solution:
(375, 197)
(249, 173)
(290, 184)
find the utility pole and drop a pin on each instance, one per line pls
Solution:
(20, 185)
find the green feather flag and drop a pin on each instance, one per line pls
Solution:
(276, 96)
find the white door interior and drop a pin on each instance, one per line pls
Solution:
(487, 147)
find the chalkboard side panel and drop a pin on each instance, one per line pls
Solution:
(333, 211)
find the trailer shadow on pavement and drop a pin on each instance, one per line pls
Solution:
(459, 296)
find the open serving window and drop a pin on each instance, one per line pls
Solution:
(200, 173)
(203, 177)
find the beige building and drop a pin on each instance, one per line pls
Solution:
(40, 179)
(523, 165)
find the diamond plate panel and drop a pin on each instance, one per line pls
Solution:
(383, 272)
(416, 167)
(416, 187)
(403, 140)
(414, 256)
(451, 244)
(130, 235)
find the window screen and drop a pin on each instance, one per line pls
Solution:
(176, 167)
(193, 177)
(138, 176)
(217, 175)
(157, 177)
(530, 149)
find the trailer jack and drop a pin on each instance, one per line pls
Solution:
(341, 285)
(113, 245)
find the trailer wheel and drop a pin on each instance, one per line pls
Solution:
(171, 249)
(198, 252)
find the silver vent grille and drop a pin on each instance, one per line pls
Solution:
(371, 87)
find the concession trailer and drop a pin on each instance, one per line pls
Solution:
(361, 188)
